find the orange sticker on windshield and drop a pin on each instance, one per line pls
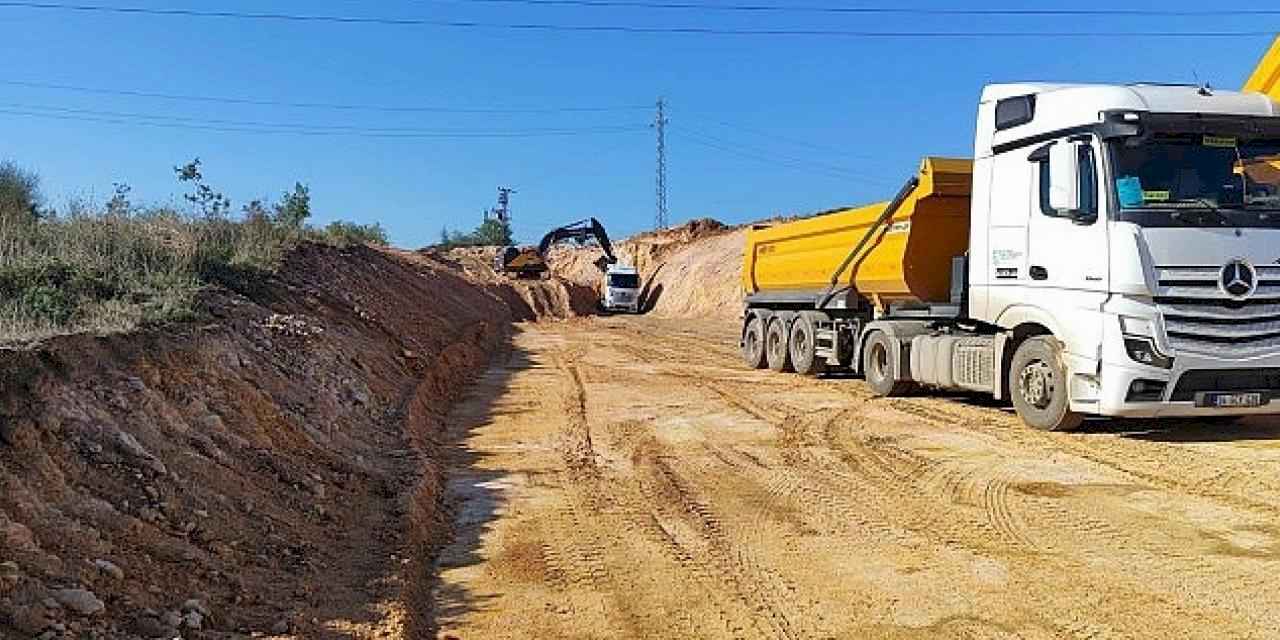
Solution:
(1220, 141)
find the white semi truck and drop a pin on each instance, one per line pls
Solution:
(621, 291)
(1110, 250)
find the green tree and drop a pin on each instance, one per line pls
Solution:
(493, 232)
(294, 207)
(204, 198)
(119, 204)
(20, 197)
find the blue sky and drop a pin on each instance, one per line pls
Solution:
(759, 125)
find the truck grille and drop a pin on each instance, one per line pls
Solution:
(1197, 380)
(1200, 318)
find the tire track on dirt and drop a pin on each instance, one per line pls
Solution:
(899, 469)
(730, 559)
(1216, 584)
(811, 446)
(1159, 464)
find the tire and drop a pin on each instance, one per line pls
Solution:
(1038, 386)
(877, 367)
(803, 345)
(753, 342)
(775, 344)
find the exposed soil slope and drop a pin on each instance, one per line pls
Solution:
(268, 470)
(553, 297)
(693, 270)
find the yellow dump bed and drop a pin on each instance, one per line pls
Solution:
(907, 258)
(1266, 77)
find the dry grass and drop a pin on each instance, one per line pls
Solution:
(103, 273)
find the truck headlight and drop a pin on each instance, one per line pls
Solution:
(1144, 350)
(1140, 342)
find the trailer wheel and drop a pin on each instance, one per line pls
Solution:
(775, 344)
(1038, 386)
(877, 367)
(753, 342)
(803, 346)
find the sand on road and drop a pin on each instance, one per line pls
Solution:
(627, 477)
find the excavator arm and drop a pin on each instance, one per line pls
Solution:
(1266, 77)
(580, 230)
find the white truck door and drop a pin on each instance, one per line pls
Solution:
(1067, 251)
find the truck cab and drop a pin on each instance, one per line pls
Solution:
(1139, 226)
(621, 290)
(1122, 259)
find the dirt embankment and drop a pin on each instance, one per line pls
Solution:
(269, 469)
(693, 270)
(557, 297)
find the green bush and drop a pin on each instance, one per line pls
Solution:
(490, 233)
(344, 234)
(115, 268)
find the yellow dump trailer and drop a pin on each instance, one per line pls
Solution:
(1266, 76)
(906, 257)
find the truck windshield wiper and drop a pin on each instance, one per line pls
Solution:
(1210, 208)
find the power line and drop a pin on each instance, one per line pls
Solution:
(768, 161)
(774, 157)
(809, 168)
(618, 28)
(167, 122)
(312, 105)
(767, 134)
(285, 125)
(648, 4)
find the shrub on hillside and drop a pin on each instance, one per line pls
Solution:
(490, 233)
(344, 234)
(19, 194)
(114, 268)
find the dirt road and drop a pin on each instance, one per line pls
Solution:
(627, 477)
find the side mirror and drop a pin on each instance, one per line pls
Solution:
(1064, 177)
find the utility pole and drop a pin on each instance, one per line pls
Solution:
(504, 205)
(501, 213)
(660, 124)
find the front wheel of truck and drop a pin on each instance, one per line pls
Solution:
(1038, 386)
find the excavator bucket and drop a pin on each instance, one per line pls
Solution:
(1266, 77)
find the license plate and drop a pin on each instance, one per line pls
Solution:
(1232, 400)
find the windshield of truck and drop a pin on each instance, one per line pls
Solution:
(1198, 180)
(624, 281)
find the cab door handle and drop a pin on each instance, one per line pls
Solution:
(1039, 273)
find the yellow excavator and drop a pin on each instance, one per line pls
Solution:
(531, 262)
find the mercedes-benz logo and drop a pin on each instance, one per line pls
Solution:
(1238, 279)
